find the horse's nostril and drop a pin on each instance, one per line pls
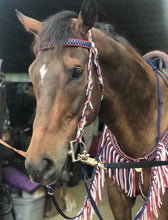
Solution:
(42, 171)
(45, 164)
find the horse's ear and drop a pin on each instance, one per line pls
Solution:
(31, 25)
(87, 16)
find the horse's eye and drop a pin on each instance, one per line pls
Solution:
(76, 73)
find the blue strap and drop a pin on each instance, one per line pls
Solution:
(163, 78)
(84, 177)
(93, 202)
(139, 214)
(50, 190)
(159, 96)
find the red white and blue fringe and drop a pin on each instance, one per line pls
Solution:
(159, 183)
(125, 178)
(96, 188)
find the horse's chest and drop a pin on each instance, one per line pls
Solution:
(142, 181)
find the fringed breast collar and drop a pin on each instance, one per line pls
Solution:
(125, 178)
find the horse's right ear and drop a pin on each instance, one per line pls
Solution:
(87, 16)
(31, 25)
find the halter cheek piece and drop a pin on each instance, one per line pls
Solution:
(92, 50)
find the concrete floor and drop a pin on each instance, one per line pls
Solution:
(103, 206)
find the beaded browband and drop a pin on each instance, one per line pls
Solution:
(92, 50)
(70, 42)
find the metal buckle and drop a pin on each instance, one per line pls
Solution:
(73, 150)
(139, 170)
(50, 190)
(84, 157)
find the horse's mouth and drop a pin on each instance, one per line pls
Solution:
(36, 178)
(50, 176)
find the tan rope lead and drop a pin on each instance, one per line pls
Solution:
(22, 153)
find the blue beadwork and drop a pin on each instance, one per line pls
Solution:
(71, 42)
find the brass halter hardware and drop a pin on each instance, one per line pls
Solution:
(84, 157)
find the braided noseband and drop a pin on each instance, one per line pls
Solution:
(92, 50)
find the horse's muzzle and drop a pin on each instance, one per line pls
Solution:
(42, 171)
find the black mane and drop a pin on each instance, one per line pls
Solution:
(109, 30)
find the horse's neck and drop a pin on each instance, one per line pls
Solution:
(130, 104)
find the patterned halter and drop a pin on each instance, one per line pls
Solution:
(92, 50)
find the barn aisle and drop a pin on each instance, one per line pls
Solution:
(79, 193)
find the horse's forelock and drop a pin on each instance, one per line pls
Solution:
(55, 28)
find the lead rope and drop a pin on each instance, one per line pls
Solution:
(22, 153)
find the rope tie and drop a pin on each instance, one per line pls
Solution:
(93, 51)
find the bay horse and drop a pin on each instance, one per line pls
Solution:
(129, 107)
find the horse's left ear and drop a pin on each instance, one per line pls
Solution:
(31, 25)
(87, 16)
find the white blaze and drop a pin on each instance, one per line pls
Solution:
(43, 72)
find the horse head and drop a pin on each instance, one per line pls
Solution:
(59, 77)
